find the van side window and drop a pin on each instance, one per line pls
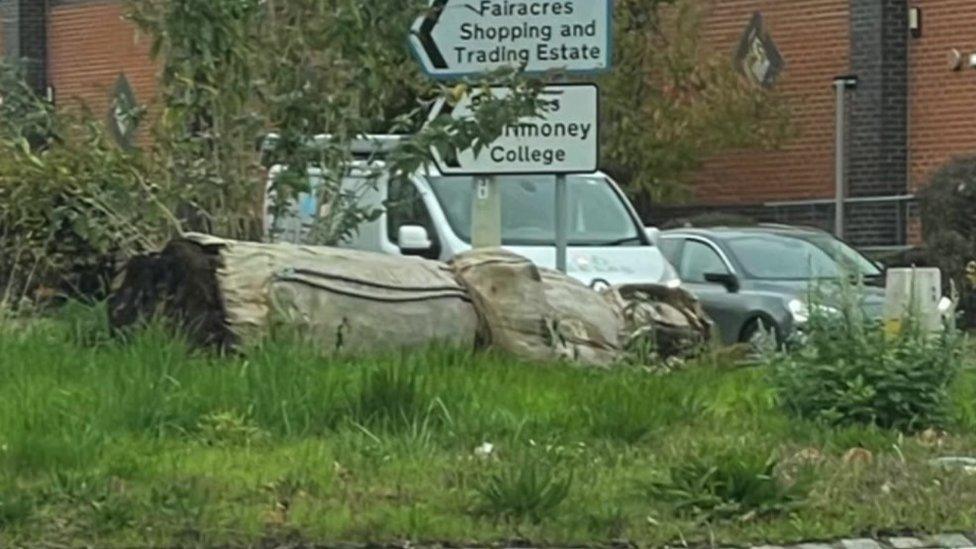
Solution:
(405, 206)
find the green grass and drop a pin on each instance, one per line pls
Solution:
(146, 443)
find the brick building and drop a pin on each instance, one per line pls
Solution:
(912, 111)
(77, 51)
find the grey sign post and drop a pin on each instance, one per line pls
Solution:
(841, 86)
(562, 224)
(486, 213)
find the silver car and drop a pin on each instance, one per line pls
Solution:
(755, 282)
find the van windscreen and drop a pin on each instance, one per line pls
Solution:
(597, 214)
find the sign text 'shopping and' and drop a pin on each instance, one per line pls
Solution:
(470, 37)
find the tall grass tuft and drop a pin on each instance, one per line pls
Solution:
(16, 507)
(631, 409)
(527, 489)
(394, 396)
(724, 485)
(86, 325)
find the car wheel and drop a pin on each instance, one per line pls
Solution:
(761, 337)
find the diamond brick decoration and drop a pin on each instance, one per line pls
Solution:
(122, 120)
(757, 56)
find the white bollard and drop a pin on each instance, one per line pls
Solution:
(916, 292)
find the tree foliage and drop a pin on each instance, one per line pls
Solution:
(206, 132)
(71, 200)
(672, 102)
(233, 71)
(948, 208)
(324, 76)
(343, 67)
(314, 73)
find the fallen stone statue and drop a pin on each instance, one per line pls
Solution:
(231, 295)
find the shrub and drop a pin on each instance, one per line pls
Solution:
(727, 485)
(949, 201)
(71, 201)
(850, 372)
(948, 207)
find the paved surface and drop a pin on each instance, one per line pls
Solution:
(948, 541)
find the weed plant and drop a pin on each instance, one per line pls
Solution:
(851, 371)
(526, 489)
(726, 485)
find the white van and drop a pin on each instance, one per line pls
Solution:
(431, 217)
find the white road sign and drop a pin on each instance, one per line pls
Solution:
(564, 140)
(460, 38)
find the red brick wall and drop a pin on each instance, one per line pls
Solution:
(814, 39)
(942, 102)
(90, 45)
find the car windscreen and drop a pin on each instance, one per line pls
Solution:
(785, 257)
(597, 214)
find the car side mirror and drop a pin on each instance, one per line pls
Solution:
(730, 281)
(414, 238)
(653, 234)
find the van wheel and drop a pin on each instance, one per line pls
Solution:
(760, 336)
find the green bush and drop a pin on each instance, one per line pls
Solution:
(949, 201)
(849, 371)
(948, 208)
(71, 201)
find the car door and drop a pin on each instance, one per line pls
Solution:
(698, 258)
(405, 206)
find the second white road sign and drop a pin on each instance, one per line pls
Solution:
(564, 139)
